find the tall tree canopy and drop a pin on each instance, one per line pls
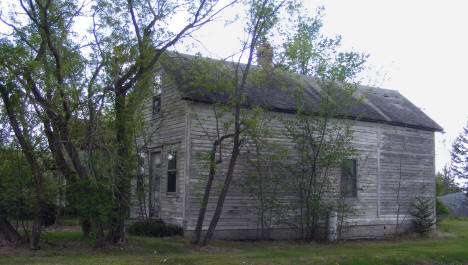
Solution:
(69, 80)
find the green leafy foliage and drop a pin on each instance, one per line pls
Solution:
(266, 183)
(229, 95)
(321, 136)
(309, 52)
(17, 197)
(84, 88)
(16, 187)
(155, 229)
(93, 200)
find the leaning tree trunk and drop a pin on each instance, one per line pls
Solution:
(206, 195)
(27, 149)
(8, 234)
(224, 191)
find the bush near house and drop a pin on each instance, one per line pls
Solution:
(152, 229)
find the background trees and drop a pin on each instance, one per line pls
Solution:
(445, 182)
(459, 155)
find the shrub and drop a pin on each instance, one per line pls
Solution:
(422, 211)
(153, 229)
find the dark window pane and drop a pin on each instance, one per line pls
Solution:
(156, 104)
(171, 181)
(171, 171)
(348, 178)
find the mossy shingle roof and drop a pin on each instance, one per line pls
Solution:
(198, 82)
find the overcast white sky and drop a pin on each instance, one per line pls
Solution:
(423, 49)
(419, 48)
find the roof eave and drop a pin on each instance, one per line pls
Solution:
(393, 123)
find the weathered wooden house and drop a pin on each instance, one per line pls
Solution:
(394, 138)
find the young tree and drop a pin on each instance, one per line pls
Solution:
(422, 211)
(266, 182)
(321, 135)
(262, 15)
(459, 154)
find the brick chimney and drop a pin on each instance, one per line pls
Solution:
(265, 55)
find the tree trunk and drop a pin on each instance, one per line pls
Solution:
(117, 234)
(100, 235)
(36, 228)
(122, 182)
(55, 147)
(206, 196)
(86, 228)
(224, 190)
(35, 169)
(8, 234)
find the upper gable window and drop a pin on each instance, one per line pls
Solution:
(348, 178)
(157, 87)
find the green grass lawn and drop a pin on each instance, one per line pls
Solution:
(449, 246)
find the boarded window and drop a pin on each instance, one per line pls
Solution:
(348, 178)
(171, 171)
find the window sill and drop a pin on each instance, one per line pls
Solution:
(172, 194)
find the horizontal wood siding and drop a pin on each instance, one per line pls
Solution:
(381, 148)
(407, 167)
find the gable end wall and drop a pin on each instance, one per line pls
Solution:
(166, 131)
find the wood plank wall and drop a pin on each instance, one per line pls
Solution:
(166, 131)
(385, 153)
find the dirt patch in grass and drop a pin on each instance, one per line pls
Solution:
(442, 234)
(72, 247)
(62, 228)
